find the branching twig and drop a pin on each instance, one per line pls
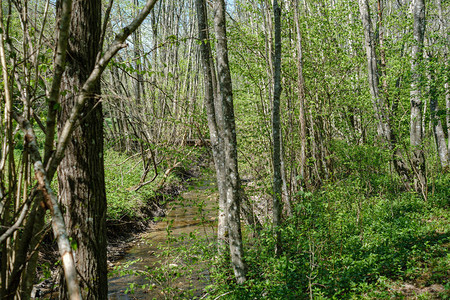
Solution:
(59, 66)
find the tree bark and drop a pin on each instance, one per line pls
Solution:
(446, 36)
(301, 98)
(438, 130)
(44, 176)
(217, 144)
(229, 134)
(416, 130)
(384, 129)
(276, 128)
(81, 173)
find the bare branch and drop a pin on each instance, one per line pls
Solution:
(60, 64)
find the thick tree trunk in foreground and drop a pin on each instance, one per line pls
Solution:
(25, 258)
(416, 130)
(81, 172)
(44, 175)
(276, 129)
(229, 134)
(217, 144)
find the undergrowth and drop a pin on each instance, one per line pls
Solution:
(349, 242)
(360, 236)
(123, 174)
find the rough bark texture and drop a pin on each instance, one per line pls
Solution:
(416, 130)
(88, 88)
(229, 130)
(24, 263)
(210, 96)
(276, 128)
(81, 172)
(32, 228)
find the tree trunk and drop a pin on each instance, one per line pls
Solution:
(229, 134)
(438, 131)
(210, 96)
(301, 98)
(138, 86)
(378, 102)
(81, 172)
(276, 129)
(445, 35)
(416, 130)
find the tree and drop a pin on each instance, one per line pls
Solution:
(416, 130)
(438, 130)
(446, 37)
(38, 195)
(20, 267)
(301, 97)
(276, 128)
(232, 180)
(81, 173)
(215, 117)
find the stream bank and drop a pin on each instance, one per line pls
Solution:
(165, 262)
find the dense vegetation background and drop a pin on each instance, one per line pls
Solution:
(364, 122)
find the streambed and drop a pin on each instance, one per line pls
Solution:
(167, 258)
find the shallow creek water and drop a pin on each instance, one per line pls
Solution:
(169, 246)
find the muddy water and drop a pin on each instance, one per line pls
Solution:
(167, 259)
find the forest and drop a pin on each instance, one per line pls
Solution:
(212, 149)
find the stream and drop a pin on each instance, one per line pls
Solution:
(167, 258)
